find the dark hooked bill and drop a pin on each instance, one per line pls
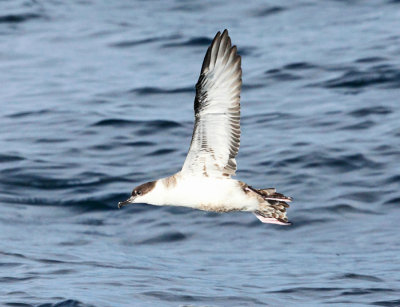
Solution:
(126, 202)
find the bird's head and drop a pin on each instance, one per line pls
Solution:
(139, 194)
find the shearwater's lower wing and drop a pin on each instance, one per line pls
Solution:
(216, 135)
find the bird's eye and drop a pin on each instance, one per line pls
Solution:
(139, 192)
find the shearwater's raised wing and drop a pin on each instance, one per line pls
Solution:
(216, 135)
(204, 182)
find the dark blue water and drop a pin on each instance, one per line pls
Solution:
(96, 97)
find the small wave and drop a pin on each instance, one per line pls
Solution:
(285, 73)
(156, 124)
(169, 296)
(189, 7)
(115, 122)
(9, 279)
(162, 124)
(359, 277)
(342, 209)
(386, 150)
(277, 74)
(245, 51)
(30, 113)
(22, 178)
(393, 179)
(341, 163)
(374, 110)
(51, 140)
(101, 203)
(372, 59)
(377, 75)
(10, 158)
(268, 117)
(16, 255)
(160, 152)
(234, 224)
(133, 43)
(393, 201)
(306, 221)
(74, 243)
(18, 18)
(140, 144)
(164, 238)
(50, 261)
(66, 303)
(10, 264)
(125, 44)
(61, 272)
(273, 10)
(366, 124)
(299, 66)
(392, 303)
(340, 291)
(250, 86)
(362, 291)
(92, 222)
(156, 90)
(371, 196)
(105, 147)
(306, 290)
(195, 41)
(88, 204)
(344, 163)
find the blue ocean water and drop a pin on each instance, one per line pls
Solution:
(97, 97)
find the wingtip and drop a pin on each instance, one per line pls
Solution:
(216, 36)
(234, 50)
(225, 33)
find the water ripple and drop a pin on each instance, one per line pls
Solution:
(273, 10)
(389, 303)
(10, 158)
(192, 42)
(359, 277)
(156, 90)
(164, 238)
(19, 18)
(133, 43)
(376, 75)
(373, 110)
(154, 124)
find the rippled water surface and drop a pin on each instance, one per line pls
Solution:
(96, 97)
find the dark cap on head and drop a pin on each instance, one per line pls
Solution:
(143, 188)
(137, 192)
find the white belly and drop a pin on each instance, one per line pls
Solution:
(210, 194)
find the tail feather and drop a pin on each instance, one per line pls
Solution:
(274, 211)
(271, 194)
(271, 220)
(268, 191)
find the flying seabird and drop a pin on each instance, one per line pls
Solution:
(205, 180)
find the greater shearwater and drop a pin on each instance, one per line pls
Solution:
(205, 182)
